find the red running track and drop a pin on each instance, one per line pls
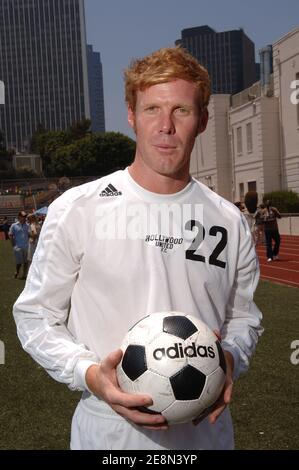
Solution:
(286, 269)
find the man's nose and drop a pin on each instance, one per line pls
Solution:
(166, 124)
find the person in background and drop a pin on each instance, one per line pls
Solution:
(18, 233)
(5, 227)
(249, 217)
(240, 205)
(34, 230)
(259, 224)
(271, 214)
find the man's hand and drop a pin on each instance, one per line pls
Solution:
(225, 396)
(102, 382)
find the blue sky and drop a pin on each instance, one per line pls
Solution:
(124, 29)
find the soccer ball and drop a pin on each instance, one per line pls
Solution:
(177, 360)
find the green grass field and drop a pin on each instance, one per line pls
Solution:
(36, 411)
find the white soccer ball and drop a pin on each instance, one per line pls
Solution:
(177, 360)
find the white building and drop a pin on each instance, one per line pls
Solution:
(210, 159)
(252, 138)
(254, 131)
(286, 72)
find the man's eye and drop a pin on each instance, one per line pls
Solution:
(151, 109)
(182, 110)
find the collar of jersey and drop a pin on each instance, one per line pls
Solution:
(144, 194)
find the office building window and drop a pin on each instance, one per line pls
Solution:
(239, 141)
(249, 137)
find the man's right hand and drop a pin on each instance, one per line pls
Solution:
(102, 381)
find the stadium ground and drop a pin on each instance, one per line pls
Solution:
(36, 411)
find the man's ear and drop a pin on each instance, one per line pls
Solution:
(131, 117)
(204, 118)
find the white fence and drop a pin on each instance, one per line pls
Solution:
(289, 225)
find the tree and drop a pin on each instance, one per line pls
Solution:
(45, 143)
(96, 154)
(284, 201)
(80, 129)
(78, 152)
(114, 151)
(36, 138)
(68, 161)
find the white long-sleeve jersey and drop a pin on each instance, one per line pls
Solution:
(111, 252)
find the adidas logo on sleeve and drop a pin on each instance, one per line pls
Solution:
(110, 190)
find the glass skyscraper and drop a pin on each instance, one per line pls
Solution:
(228, 56)
(43, 64)
(96, 93)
